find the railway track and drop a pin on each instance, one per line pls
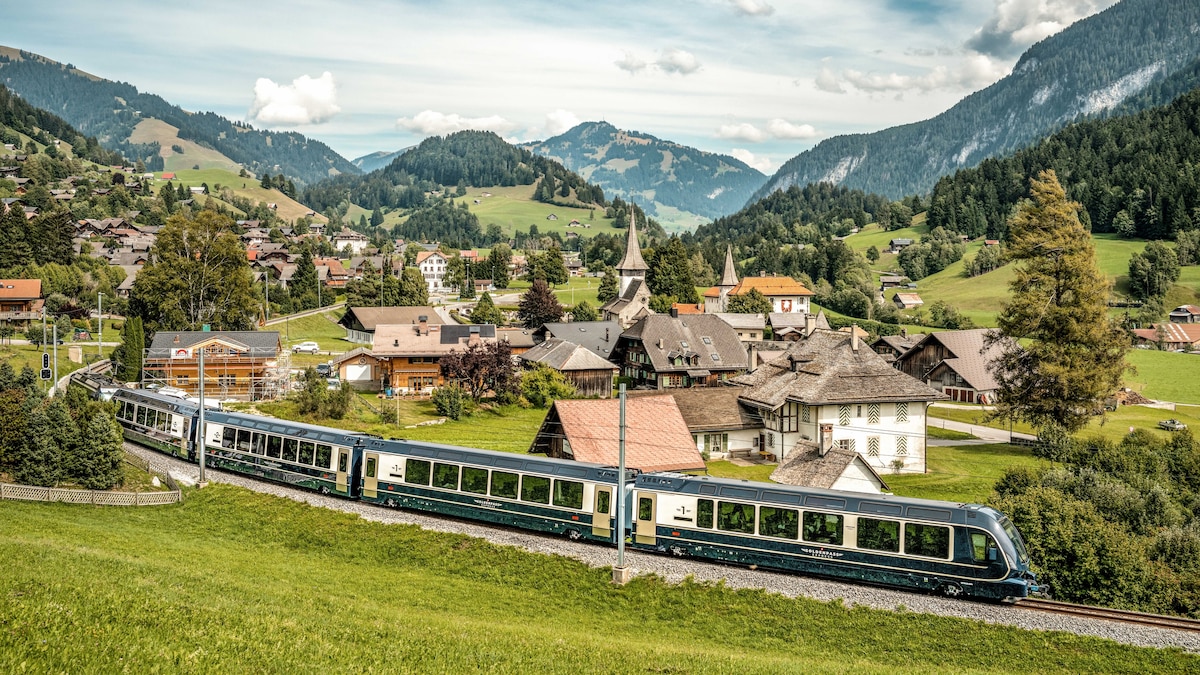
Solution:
(1118, 615)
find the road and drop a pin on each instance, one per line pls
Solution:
(984, 434)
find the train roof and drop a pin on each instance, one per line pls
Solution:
(274, 425)
(788, 495)
(174, 404)
(501, 460)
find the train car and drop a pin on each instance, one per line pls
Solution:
(954, 549)
(157, 421)
(576, 499)
(293, 453)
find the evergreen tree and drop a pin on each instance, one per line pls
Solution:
(584, 312)
(1153, 271)
(376, 217)
(133, 344)
(486, 311)
(499, 258)
(413, 290)
(553, 265)
(99, 454)
(303, 286)
(39, 461)
(467, 290)
(389, 287)
(1075, 354)
(538, 306)
(608, 286)
(266, 182)
(670, 272)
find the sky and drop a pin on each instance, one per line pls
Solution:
(761, 80)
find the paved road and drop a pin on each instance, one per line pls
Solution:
(984, 434)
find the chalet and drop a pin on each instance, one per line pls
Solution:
(484, 286)
(991, 242)
(890, 281)
(1170, 336)
(633, 295)
(907, 300)
(1185, 314)
(362, 322)
(361, 368)
(20, 300)
(126, 285)
(198, 190)
(720, 425)
(956, 363)
(589, 373)
(348, 238)
(242, 365)
(662, 351)
(518, 339)
(331, 272)
(168, 175)
(599, 337)
(358, 264)
(433, 267)
(588, 430)
(897, 245)
(410, 353)
(829, 390)
(891, 347)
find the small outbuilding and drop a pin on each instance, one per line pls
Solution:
(590, 373)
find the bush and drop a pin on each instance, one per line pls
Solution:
(451, 401)
(541, 386)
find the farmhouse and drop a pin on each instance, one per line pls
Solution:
(599, 337)
(1185, 314)
(1170, 336)
(662, 351)
(361, 322)
(410, 353)
(20, 300)
(955, 362)
(907, 300)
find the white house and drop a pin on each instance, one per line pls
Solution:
(830, 390)
(433, 267)
(357, 242)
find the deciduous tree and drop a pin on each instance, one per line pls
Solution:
(481, 368)
(753, 302)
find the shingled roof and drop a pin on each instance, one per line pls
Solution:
(713, 409)
(971, 357)
(712, 342)
(258, 344)
(599, 337)
(806, 466)
(565, 356)
(656, 437)
(825, 368)
(372, 317)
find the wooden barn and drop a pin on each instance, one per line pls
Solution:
(590, 373)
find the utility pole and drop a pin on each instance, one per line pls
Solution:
(100, 333)
(56, 358)
(621, 572)
(200, 428)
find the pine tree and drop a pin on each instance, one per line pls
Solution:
(608, 286)
(413, 290)
(39, 461)
(538, 306)
(1075, 354)
(584, 312)
(303, 286)
(99, 453)
(670, 273)
(486, 311)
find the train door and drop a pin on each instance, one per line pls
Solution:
(371, 476)
(185, 438)
(602, 512)
(343, 470)
(647, 527)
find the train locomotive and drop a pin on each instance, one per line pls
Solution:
(958, 550)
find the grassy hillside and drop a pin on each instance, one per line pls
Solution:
(251, 583)
(249, 188)
(513, 208)
(157, 131)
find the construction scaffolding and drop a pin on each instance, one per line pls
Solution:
(245, 376)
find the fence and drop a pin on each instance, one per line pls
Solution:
(43, 494)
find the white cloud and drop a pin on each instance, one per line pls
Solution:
(1017, 24)
(781, 128)
(559, 121)
(760, 162)
(678, 61)
(743, 131)
(753, 7)
(432, 123)
(975, 71)
(630, 63)
(304, 101)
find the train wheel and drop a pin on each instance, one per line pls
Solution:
(574, 535)
(324, 490)
(952, 590)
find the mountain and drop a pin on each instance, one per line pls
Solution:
(21, 123)
(657, 173)
(1109, 61)
(376, 160)
(113, 111)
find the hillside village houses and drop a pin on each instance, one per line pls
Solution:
(787, 295)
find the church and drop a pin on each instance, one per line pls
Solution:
(633, 299)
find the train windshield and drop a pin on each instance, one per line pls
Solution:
(1014, 535)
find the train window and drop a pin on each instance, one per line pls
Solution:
(930, 541)
(704, 513)
(504, 484)
(781, 523)
(879, 535)
(258, 444)
(568, 494)
(982, 547)
(141, 415)
(733, 517)
(243, 440)
(474, 480)
(324, 454)
(164, 421)
(228, 436)
(370, 467)
(645, 508)
(291, 449)
(603, 501)
(417, 472)
(274, 446)
(306, 452)
(535, 489)
(445, 476)
(823, 528)
(343, 458)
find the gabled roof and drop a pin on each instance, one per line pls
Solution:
(970, 356)
(900, 343)
(262, 344)
(824, 368)
(806, 467)
(743, 321)
(599, 337)
(656, 437)
(769, 286)
(703, 336)
(422, 256)
(353, 354)
(1171, 332)
(714, 409)
(1186, 309)
(437, 340)
(333, 264)
(516, 336)
(20, 289)
(372, 317)
(909, 299)
(566, 356)
(637, 287)
(795, 320)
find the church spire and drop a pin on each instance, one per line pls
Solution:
(729, 277)
(632, 264)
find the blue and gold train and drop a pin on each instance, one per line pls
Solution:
(954, 549)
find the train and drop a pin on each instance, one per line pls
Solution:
(953, 549)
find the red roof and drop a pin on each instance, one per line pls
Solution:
(687, 308)
(20, 289)
(656, 437)
(168, 175)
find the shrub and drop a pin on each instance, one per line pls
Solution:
(451, 401)
(541, 386)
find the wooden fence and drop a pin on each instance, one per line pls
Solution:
(44, 494)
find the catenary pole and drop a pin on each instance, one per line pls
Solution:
(620, 575)
(200, 428)
(100, 333)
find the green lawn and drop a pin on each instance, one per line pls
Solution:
(875, 235)
(963, 473)
(321, 328)
(576, 290)
(720, 468)
(1165, 376)
(1113, 426)
(247, 582)
(513, 208)
(20, 356)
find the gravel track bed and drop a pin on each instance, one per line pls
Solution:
(676, 569)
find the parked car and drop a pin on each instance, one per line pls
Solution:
(333, 384)
(1172, 425)
(324, 369)
(309, 347)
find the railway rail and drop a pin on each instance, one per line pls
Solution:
(1118, 615)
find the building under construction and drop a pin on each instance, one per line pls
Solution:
(240, 365)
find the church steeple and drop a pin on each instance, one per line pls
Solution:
(633, 266)
(729, 277)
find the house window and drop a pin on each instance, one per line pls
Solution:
(873, 413)
(858, 412)
(791, 416)
(872, 446)
(844, 415)
(846, 444)
(902, 412)
(716, 442)
(902, 446)
(770, 440)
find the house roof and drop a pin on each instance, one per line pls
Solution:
(635, 288)
(437, 340)
(771, 286)
(687, 308)
(20, 289)
(422, 256)
(262, 344)
(656, 437)
(795, 320)
(713, 409)
(353, 354)
(970, 357)
(567, 356)
(372, 317)
(900, 343)
(333, 264)
(909, 299)
(703, 335)
(743, 321)
(1186, 309)
(599, 337)
(516, 336)
(1171, 332)
(805, 466)
(824, 368)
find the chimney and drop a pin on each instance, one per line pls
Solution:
(854, 337)
(904, 332)
(660, 343)
(825, 441)
(423, 325)
(473, 337)
(810, 324)
(606, 335)
(674, 312)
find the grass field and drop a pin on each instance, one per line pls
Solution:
(246, 582)
(321, 328)
(19, 356)
(1113, 426)
(724, 469)
(963, 473)
(1165, 376)
(513, 208)
(576, 290)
